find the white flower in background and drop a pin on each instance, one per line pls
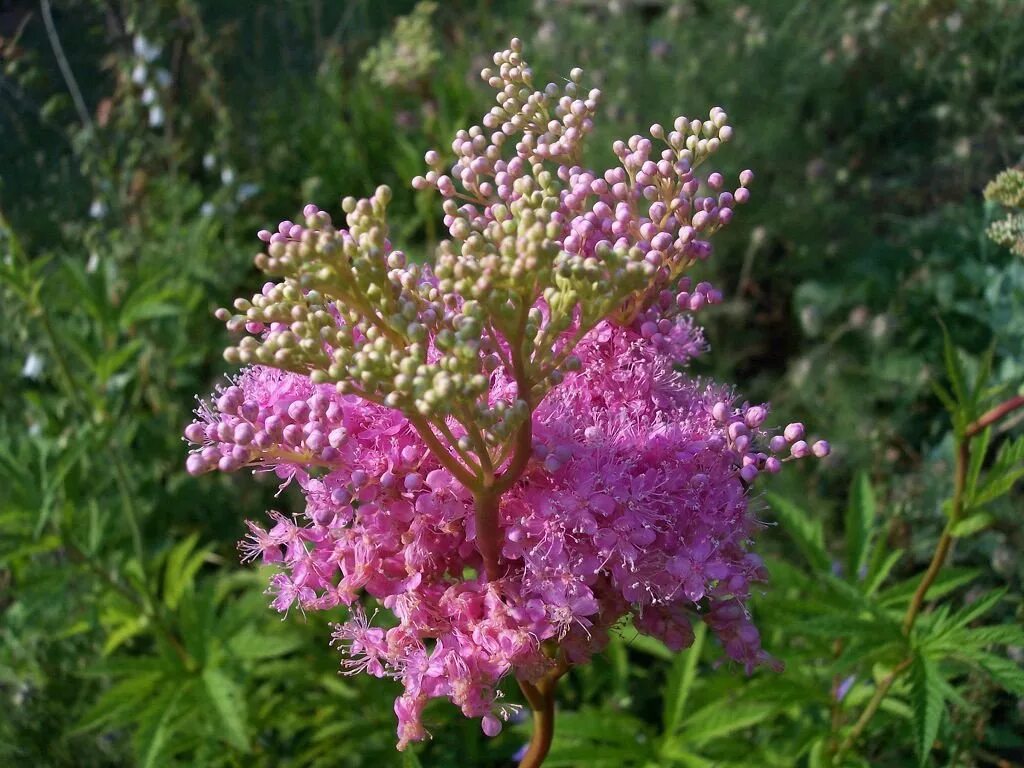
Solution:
(209, 161)
(33, 366)
(227, 177)
(149, 95)
(93, 264)
(163, 77)
(144, 49)
(98, 209)
(207, 209)
(246, 191)
(156, 116)
(139, 73)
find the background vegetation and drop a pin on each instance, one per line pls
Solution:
(142, 144)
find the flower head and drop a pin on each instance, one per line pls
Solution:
(501, 449)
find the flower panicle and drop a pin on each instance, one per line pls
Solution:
(501, 448)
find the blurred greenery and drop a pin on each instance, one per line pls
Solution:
(143, 142)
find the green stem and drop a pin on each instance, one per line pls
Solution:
(939, 557)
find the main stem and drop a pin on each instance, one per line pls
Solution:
(488, 535)
(541, 698)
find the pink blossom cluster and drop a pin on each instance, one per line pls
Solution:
(635, 503)
(501, 459)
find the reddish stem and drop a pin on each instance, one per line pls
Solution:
(989, 418)
(488, 535)
(541, 697)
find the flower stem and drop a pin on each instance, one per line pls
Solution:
(487, 532)
(541, 698)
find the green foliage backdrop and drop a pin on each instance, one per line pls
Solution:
(143, 143)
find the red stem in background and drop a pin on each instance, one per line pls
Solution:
(990, 417)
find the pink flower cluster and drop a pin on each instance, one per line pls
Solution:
(500, 449)
(635, 503)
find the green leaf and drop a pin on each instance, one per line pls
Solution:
(978, 608)
(948, 580)
(599, 738)
(124, 632)
(1003, 474)
(410, 760)
(725, 716)
(229, 706)
(945, 397)
(153, 740)
(1003, 672)
(180, 570)
(637, 641)
(858, 525)
(818, 755)
(972, 525)
(680, 681)
(119, 704)
(997, 485)
(954, 368)
(928, 703)
(980, 637)
(254, 646)
(878, 574)
(984, 373)
(806, 534)
(978, 450)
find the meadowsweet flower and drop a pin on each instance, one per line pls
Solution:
(500, 451)
(409, 54)
(1007, 190)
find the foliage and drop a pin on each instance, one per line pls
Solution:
(128, 633)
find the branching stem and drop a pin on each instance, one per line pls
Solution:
(941, 554)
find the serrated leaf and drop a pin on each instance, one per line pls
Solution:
(119, 704)
(1007, 674)
(229, 706)
(978, 608)
(601, 738)
(1002, 634)
(153, 740)
(954, 368)
(984, 373)
(948, 580)
(806, 534)
(858, 524)
(180, 570)
(948, 401)
(978, 450)
(878, 575)
(928, 703)
(1003, 474)
(680, 681)
(723, 717)
(997, 485)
